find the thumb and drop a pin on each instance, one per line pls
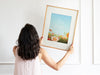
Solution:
(41, 38)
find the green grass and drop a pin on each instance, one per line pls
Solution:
(63, 40)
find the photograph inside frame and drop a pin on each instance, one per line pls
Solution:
(59, 28)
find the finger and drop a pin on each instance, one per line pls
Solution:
(72, 44)
(41, 37)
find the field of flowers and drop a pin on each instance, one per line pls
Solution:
(56, 37)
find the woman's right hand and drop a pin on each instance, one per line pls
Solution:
(71, 49)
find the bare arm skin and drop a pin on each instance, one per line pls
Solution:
(50, 62)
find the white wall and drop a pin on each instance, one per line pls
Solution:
(86, 67)
(96, 31)
(14, 14)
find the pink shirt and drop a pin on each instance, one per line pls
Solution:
(27, 67)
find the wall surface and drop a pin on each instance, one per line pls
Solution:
(86, 67)
(14, 14)
(96, 32)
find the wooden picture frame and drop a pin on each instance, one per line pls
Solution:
(64, 18)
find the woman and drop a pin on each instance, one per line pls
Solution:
(28, 53)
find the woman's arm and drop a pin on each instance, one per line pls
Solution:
(61, 62)
(50, 62)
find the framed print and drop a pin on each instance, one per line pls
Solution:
(59, 27)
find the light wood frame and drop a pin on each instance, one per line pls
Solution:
(45, 20)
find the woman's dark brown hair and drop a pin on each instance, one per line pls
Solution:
(28, 42)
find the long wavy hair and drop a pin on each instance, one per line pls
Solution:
(28, 43)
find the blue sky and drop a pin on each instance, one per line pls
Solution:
(60, 23)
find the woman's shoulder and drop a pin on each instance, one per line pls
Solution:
(15, 47)
(14, 50)
(42, 50)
